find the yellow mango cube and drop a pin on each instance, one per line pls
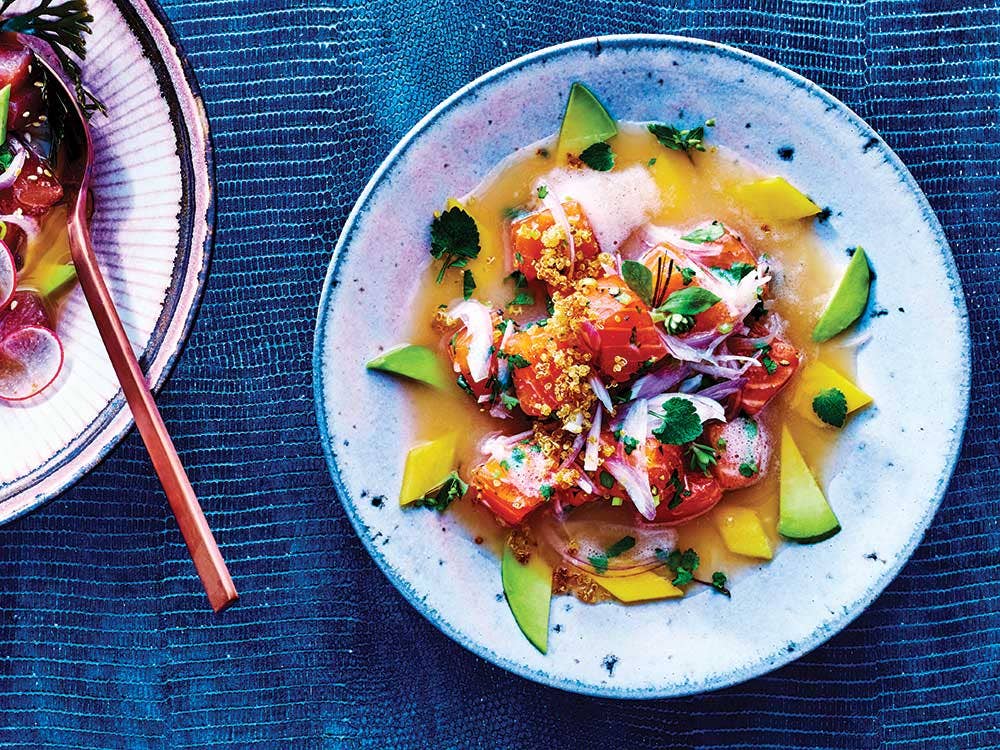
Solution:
(816, 377)
(641, 587)
(743, 533)
(428, 464)
(774, 199)
(674, 174)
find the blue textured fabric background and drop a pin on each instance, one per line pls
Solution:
(105, 638)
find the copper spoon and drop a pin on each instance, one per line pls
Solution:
(76, 172)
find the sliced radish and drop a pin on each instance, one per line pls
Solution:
(8, 275)
(24, 309)
(30, 360)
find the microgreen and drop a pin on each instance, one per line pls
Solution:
(830, 405)
(598, 156)
(679, 422)
(454, 239)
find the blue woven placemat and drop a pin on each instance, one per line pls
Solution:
(105, 639)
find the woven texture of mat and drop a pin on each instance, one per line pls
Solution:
(105, 639)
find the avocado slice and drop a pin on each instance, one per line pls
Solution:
(585, 121)
(529, 592)
(848, 301)
(805, 516)
(414, 362)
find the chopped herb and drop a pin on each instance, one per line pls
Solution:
(751, 429)
(702, 458)
(444, 494)
(689, 301)
(616, 502)
(721, 443)
(521, 299)
(509, 402)
(680, 491)
(683, 564)
(598, 156)
(711, 233)
(749, 468)
(639, 278)
(687, 274)
(505, 465)
(543, 191)
(769, 364)
(454, 239)
(546, 490)
(651, 162)
(7, 158)
(518, 455)
(519, 279)
(517, 361)
(726, 327)
(468, 284)
(623, 545)
(550, 306)
(735, 273)
(679, 423)
(830, 405)
(679, 140)
(607, 481)
(676, 324)
(464, 385)
(719, 581)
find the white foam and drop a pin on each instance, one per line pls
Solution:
(616, 203)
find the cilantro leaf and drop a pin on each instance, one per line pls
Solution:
(683, 564)
(735, 273)
(543, 191)
(598, 156)
(679, 424)
(509, 401)
(639, 278)
(468, 283)
(679, 140)
(454, 239)
(711, 233)
(522, 298)
(689, 301)
(831, 406)
(687, 275)
(749, 468)
(719, 581)
(546, 491)
(679, 490)
(607, 481)
(440, 497)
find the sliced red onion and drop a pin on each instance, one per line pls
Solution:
(554, 205)
(8, 275)
(498, 445)
(26, 223)
(479, 324)
(720, 391)
(692, 384)
(574, 451)
(659, 381)
(591, 455)
(499, 411)
(9, 175)
(680, 349)
(636, 484)
(30, 360)
(585, 484)
(602, 393)
(707, 408)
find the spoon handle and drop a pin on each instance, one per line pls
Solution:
(180, 494)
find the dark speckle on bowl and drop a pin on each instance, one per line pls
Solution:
(879, 312)
(870, 144)
(609, 663)
(557, 628)
(499, 597)
(902, 310)
(378, 501)
(871, 556)
(790, 648)
(824, 215)
(787, 153)
(747, 126)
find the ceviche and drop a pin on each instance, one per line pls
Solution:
(631, 342)
(36, 272)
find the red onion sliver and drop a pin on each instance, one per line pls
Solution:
(659, 381)
(720, 390)
(9, 175)
(574, 451)
(602, 393)
(30, 360)
(591, 455)
(8, 275)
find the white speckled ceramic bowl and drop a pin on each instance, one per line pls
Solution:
(151, 231)
(893, 461)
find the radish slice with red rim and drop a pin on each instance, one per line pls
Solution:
(8, 275)
(30, 360)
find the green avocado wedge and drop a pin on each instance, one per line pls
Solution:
(414, 362)
(529, 594)
(805, 516)
(585, 121)
(848, 301)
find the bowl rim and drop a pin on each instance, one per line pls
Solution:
(820, 634)
(179, 86)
